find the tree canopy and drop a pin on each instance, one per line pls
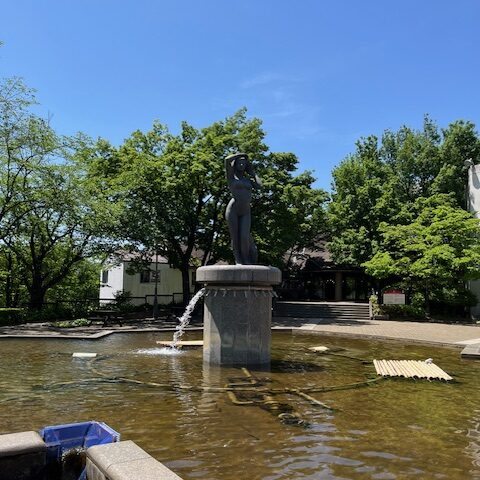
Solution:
(174, 192)
(50, 216)
(397, 206)
(390, 196)
(379, 182)
(433, 255)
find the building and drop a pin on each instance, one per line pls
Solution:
(313, 276)
(117, 278)
(473, 205)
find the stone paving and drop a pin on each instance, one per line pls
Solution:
(46, 330)
(423, 332)
(436, 333)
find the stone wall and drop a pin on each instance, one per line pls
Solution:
(23, 457)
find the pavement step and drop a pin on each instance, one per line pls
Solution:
(471, 351)
(322, 310)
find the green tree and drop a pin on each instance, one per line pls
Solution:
(381, 181)
(24, 142)
(62, 227)
(289, 213)
(364, 195)
(80, 285)
(434, 254)
(175, 192)
(52, 215)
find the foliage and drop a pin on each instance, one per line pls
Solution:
(382, 180)
(396, 205)
(363, 197)
(434, 254)
(403, 312)
(122, 301)
(81, 284)
(11, 316)
(51, 215)
(79, 322)
(375, 305)
(174, 193)
(288, 213)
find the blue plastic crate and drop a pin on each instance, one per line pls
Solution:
(62, 438)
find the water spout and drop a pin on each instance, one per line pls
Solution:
(185, 318)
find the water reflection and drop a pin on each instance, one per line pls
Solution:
(391, 429)
(170, 352)
(473, 436)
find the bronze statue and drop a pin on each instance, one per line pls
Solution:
(238, 213)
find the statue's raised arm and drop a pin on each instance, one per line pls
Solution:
(229, 167)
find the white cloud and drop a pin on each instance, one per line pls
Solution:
(260, 79)
(282, 101)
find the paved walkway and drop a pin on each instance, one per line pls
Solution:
(436, 333)
(46, 330)
(423, 332)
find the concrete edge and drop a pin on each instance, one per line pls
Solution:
(93, 336)
(23, 455)
(21, 443)
(305, 331)
(125, 461)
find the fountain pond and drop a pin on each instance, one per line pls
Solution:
(390, 429)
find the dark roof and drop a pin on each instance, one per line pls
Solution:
(318, 259)
(319, 254)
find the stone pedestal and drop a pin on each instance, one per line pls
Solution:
(237, 313)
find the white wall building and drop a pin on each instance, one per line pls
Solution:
(141, 286)
(473, 204)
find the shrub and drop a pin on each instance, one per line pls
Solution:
(11, 316)
(375, 306)
(123, 303)
(79, 322)
(404, 311)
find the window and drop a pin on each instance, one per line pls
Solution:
(145, 276)
(104, 276)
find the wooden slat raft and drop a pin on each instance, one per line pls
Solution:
(410, 369)
(181, 343)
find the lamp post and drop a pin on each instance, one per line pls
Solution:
(155, 293)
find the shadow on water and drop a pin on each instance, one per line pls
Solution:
(291, 366)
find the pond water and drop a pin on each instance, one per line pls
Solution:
(392, 429)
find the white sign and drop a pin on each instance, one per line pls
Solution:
(393, 297)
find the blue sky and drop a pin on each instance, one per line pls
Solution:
(320, 74)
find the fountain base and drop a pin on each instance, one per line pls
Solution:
(237, 313)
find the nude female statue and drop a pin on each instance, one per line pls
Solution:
(238, 214)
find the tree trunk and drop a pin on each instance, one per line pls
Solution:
(427, 302)
(8, 283)
(186, 283)
(37, 293)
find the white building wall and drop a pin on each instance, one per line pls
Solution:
(170, 282)
(114, 284)
(473, 201)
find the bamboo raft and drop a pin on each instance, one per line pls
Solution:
(410, 369)
(181, 343)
